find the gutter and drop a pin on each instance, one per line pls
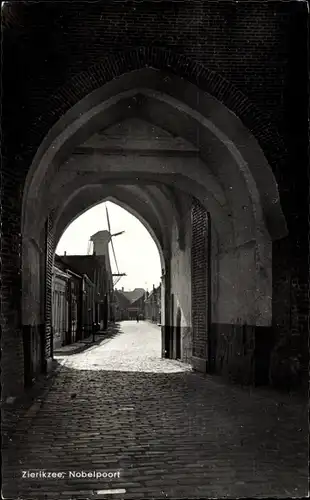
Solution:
(74, 274)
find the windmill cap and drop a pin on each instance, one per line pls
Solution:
(101, 235)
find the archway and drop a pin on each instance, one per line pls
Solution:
(79, 271)
(92, 195)
(201, 151)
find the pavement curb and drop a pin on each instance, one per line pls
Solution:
(78, 349)
(83, 346)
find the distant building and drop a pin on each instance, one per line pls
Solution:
(136, 308)
(129, 305)
(152, 305)
(121, 303)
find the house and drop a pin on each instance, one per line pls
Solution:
(60, 306)
(136, 308)
(129, 304)
(121, 303)
(93, 266)
(152, 306)
(72, 304)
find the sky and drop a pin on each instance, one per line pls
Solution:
(136, 251)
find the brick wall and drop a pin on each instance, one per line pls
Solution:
(199, 30)
(12, 355)
(235, 50)
(199, 279)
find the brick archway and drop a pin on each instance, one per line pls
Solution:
(150, 77)
(228, 134)
(120, 63)
(95, 195)
(81, 92)
(250, 85)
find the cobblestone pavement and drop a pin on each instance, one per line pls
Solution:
(166, 431)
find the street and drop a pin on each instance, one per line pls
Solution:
(161, 431)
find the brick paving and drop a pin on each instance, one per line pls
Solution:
(166, 431)
(13, 411)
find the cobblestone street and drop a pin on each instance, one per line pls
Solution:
(170, 433)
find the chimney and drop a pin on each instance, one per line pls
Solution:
(122, 288)
(65, 253)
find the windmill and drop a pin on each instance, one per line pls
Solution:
(106, 238)
(118, 275)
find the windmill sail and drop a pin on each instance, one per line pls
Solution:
(111, 240)
(108, 219)
(112, 245)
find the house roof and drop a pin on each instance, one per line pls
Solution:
(136, 294)
(138, 301)
(63, 266)
(121, 299)
(84, 264)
